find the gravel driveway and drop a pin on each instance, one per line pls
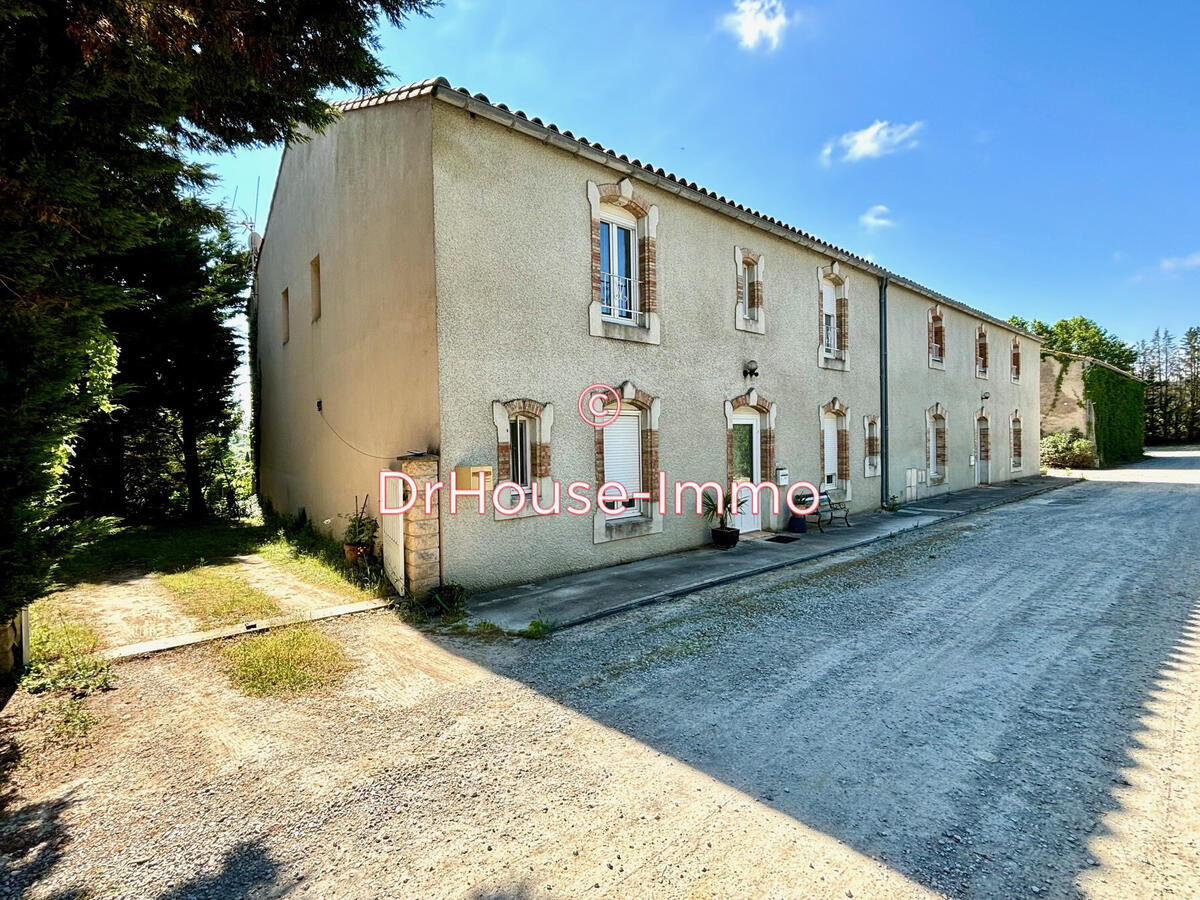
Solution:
(1005, 705)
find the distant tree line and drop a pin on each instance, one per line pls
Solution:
(1171, 370)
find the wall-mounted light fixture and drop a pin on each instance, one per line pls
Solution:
(751, 369)
(985, 395)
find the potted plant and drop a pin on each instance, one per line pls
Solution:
(724, 536)
(359, 537)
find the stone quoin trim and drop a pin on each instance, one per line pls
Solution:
(766, 432)
(842, 413)
(540, 424)
(871, 446)
(1016, 461)
(937, 436)
(620, 196)
(605, 528)
(831, 279)
(748, 313)
(937, 337)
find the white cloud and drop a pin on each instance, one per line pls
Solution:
(876, 217)
(878, 139)
(1171, 263)
(755, 22)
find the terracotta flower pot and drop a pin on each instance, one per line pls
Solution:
(355, 552)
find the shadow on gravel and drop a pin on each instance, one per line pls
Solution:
(963, 706)
(32, 836)
(245, 872)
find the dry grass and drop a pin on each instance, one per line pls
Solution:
(285, 662)
(214, 596)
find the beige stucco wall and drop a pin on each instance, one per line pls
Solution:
(361, 196)
(1063, 404)
(513, 272)
(914, 387)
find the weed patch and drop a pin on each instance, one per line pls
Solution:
(214, 597)
(286, 662)
(64, 654)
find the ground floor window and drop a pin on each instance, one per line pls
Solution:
(623, 459)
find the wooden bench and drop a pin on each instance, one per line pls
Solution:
(833, 503)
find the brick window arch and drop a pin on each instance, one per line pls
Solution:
(935, 443)
(766, 432)
(1016, 462)
(937, 337)
(647, 519)
(981, 352)
(748, 314)
(523, 433)
(624, 295)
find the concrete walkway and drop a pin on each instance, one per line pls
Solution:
(583, 597)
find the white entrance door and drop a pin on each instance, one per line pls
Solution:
(393, 537)
(746, 468)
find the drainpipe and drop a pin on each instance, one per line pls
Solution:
(883, 391)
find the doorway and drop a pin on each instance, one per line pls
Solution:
(746, 467)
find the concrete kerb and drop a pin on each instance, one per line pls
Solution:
(173, 642)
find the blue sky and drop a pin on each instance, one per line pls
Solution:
(1038, 159)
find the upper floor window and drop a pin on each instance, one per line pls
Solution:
(618, 270)
(981, 353)
(937, 337)
(285, 312)
(1016, 360)
(834, 317)
(624, 303)
(748, 314)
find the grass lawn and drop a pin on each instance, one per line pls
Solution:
(214, 596)
(285, 662)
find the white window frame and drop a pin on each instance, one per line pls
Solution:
(749, 275)
(519, 453)
(616, 221)
(635, 508)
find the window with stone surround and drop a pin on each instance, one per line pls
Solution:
(767, 410)
(872, 456)
(523, 432)
(624, 296)
(1016, 361)
(981, 352)
(935, 443)
(833, 311)
(937, 337)
(1016, 461)
(835, 446)
(629, 456)
(748, 313)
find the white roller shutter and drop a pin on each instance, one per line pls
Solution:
(623, 453)
(830, 428)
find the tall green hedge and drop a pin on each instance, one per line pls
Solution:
(1119, 402)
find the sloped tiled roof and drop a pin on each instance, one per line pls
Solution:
(550, 133)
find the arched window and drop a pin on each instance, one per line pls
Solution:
(748, 314)
(937, 337)
(624, 264)
(833, 310)
(872, 457)
(626, 452)
(935, 443)
(1016, 360)
(835, 446)
(523, 428)
(981, 353)
(1016, 440)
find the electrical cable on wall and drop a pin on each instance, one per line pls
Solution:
(321, 412)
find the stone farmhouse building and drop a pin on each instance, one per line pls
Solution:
(441, 278)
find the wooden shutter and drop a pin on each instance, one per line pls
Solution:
(843, 454)
(623, 452)
(985, 443)
(939, 438)
(1016, 439)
